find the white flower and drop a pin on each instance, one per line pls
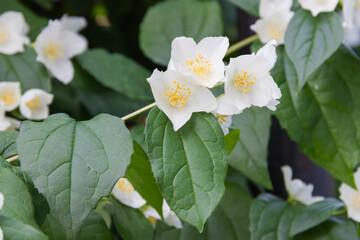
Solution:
(170, 217)
(13, 30)
(203, 61)
(151, 214)
(224, 121)
(351, 22)
(56, 44)
(351, 197)
(248, 82)
(9, 124)
(270, 7)
(10, 94)
(297, 189)
(74, 24)
(34, 104)
(273, 26)
(318, 6)
(126, 194)
(178, 96)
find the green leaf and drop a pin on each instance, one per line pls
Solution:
(15, 230)
(273, 218)
(339, 230)
(94, 228)
(35, 22)
(189, 165)
(230, 220)
(17, 200)
(323, 116)
(131, 223)
(74, 164)
(53, 228)
(314, 215)
(8, 144)
(47, 4)
(250, 6)
(231, 140)
(140, 175)
(138, 134)
(250, 153)
(310, 41)
(23, 68)
(117, 72)
(170, 19)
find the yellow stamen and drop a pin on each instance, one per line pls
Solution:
(34, 103)
(125, 186)
(275, 32)
(8, 97)
(356, 200)
(222, 118)
(4, 35)
(54, 51)
(243, 81)
(199, 66)
(152, 220)
(176, 96)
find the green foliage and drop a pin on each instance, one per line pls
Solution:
(140, 175)
(250, 6)
(8, 144)
(250, 153)
(94, 227)
(324, 124)
(117, 72)
(24, 69)
(87, 158)
(170, 19)
(231, 140)
(310, 41)
(273, 218)
(131, 223)
(189, 165)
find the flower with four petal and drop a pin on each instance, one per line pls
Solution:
(34, 104)
(13, 30)
(351, 197)
(179, 95)
(297, 189)
(59, 42)
(248, 82)
(203, 61)
(318, 6)
(125, 193)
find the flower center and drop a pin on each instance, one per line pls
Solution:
(275, 32)
(34, 103)
(4, 35)
(125, 186)
(8, 97)
(152, 220)
(222, 118)
(356, 200)
(243, 81)
(199, 66)
(54, 51)
(176, 96)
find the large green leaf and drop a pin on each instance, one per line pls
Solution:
(25, 69)
(273, 218)
(8, 144)
(17, 200)
(53, 228)
(250, 153)
(250, 6)
(231, 140)
(140, 175)
(16, 230)
(74, 164)
(131, 223)
(138, 134)
(170, 19)
(117, 72)
(323, 116)
(230, 220)
(310, 41)
(94, 228)
(189, 165)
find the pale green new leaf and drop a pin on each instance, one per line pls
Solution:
(189, 165)
(170, 19)
(250, 153)
(74, 164)
(309, 41)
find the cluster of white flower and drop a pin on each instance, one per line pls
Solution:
(55, 45)
(193, 68)
(33, 104)
(351, 22)
(124, 192)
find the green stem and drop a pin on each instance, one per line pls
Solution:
(231, 50)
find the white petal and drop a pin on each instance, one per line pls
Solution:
(214, 47)
(10, 94)
(73, 43)
(226, 106)
(352, 36)
(1, 234)
(182, 49)
(40, 100)
(269, 7)
(266, 56)
(62, 69)
(151, 212)
(351, 198)
(73, 23)
(348, 13)
(14, 22)
(357, 178)
(170, 217)
(1, 200)
(317, 7)
(131, 198)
